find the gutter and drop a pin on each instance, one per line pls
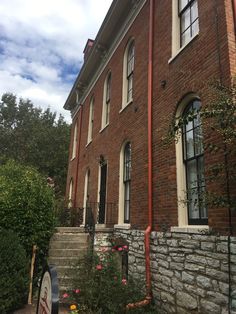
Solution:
(148, 230)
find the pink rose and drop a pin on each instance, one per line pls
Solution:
(120, 249)
(99, 267)
(125, 247)
(124, 281)
(77, 291)
(65, 295)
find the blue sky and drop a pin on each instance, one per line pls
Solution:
(41, 46)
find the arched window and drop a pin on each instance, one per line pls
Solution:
(128, 73)
(106, 101)
(90, 125)
(86, 193)
(125, 183)
(193, 159)
(73, 155)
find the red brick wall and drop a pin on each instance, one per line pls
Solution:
(205, 58)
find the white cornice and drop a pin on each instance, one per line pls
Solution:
(118, 39)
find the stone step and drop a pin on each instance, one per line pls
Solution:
(67, 245)
(66, 271)
(63, 261)
(79, 237)
(70, 230)
(67, 252)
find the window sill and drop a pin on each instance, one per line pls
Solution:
(102, 129)
(126, 105)
(122, 226)
(88, 143)
(182, 48)
(191, 229)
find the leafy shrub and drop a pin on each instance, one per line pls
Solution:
(100, 287)
(26, 206)
(14, 270)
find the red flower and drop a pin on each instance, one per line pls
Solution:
(125, 247)
(99, 267)
(120, 249)
(124, 281)
(77, 291)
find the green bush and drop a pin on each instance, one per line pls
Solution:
(14, 270)
(100, 287)
(26, 207)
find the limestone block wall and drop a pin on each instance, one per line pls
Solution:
(190, 272)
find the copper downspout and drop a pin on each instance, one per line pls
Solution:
(77, 154)
(148, 297)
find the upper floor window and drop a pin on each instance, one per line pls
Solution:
(106, 101)
(128, 73)
(193, 158)
(90, 125)
(70, 201)
(189, 21)
(74, 142)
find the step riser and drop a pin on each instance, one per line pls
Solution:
(66, 253)
(67, 245)
(80, 238)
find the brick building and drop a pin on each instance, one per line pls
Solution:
(152, 60)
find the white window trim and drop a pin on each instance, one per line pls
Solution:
(74, 142)
(91, 117)
(104, 103)
(125, 103)
(121, 188)
(98, 191)
(180, 170)
(70, 201)
(176, 49)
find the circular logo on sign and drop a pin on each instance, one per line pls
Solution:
(45, 298)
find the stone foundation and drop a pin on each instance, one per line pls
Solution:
(190, 272)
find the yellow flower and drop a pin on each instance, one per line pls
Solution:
(73, 307)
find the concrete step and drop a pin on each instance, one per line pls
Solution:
(70, 230)
(80, 237)
(63, 261)
(68, 245)
(66, 271)
(67, 252)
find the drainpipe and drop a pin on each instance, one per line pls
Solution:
(77, 154)
(148, 297)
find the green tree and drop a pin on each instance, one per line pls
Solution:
(26, 207)
(34, 137)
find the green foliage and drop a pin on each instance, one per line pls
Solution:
(100, 287)
(34, 137)
(14, 270)
(26, 206)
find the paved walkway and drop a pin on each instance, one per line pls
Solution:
(31, 309)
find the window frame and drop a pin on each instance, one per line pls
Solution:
(106, 101)
(91, 120)
(128, 73)
(181, 13)
(127, 180)
(74, 144)
(196, 158)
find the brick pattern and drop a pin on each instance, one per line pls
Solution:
(210, 56)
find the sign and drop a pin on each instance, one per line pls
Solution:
(48, 299)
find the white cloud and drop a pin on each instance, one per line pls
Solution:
(41, 45)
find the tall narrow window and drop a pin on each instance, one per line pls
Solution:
(106, 101)
(127, 181)
(90, 126)
(86, 195)
(74, 142)
(193, 158)
(128, 73)
(70, 202)
(189, 21)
